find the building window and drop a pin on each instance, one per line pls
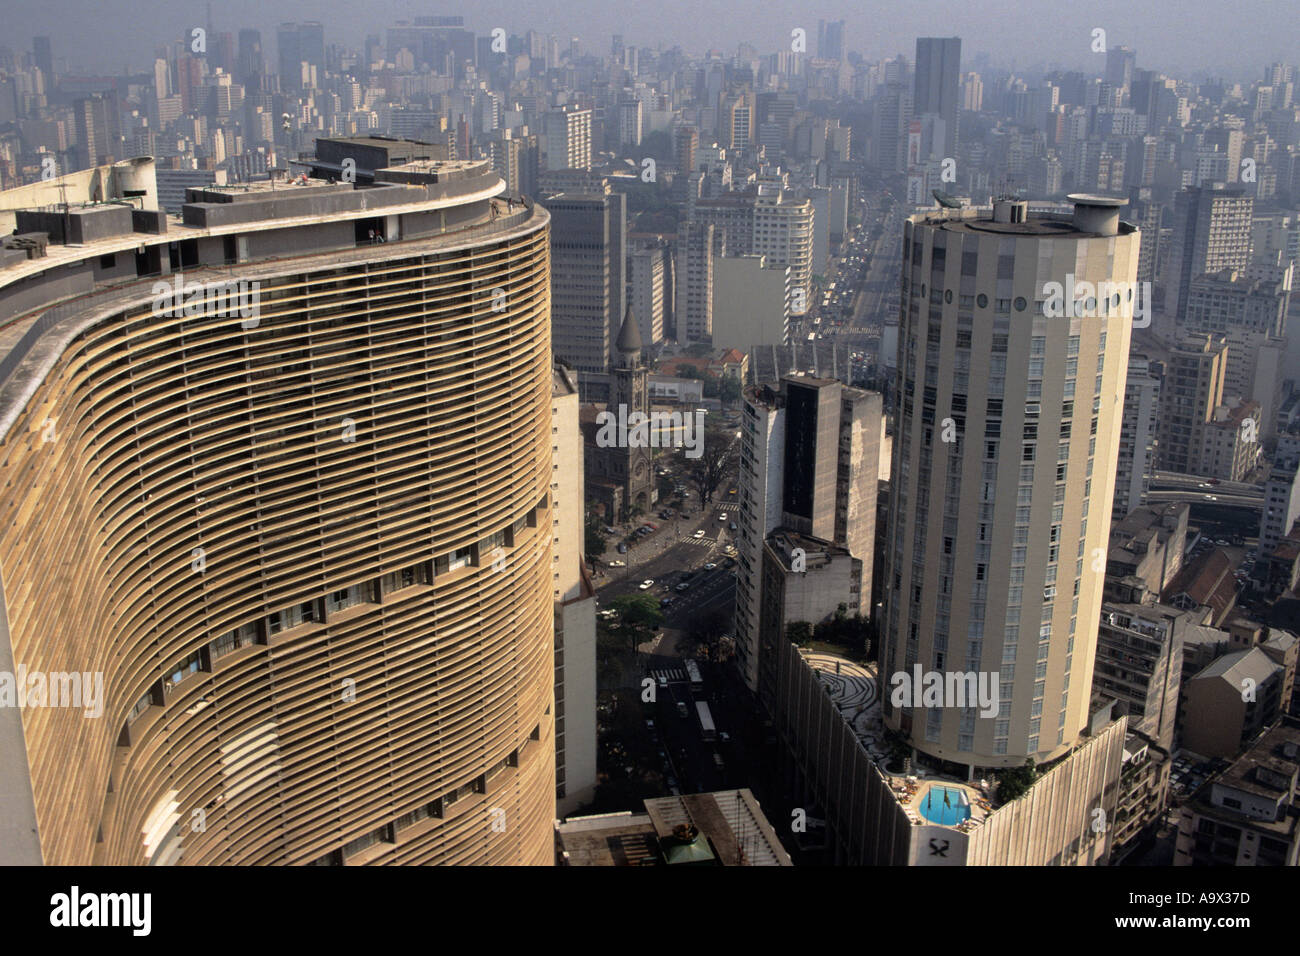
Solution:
(383, 834)
(345, 598)
(294, 615)
(151, 698)
(242, 636)
(187, 665)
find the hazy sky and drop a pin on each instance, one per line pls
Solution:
(1188, 38)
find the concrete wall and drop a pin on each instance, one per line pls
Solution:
(749, 303)
(828, 770)
(1054, 822)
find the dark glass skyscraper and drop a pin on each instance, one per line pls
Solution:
(938, 69)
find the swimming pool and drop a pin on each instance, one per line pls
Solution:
(950, 812)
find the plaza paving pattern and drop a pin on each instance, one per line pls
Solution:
(854, 690)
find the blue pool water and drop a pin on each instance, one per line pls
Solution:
(954, 811)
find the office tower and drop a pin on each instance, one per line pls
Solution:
(515, 156)
(1212, 229)
(43, 54)
(686, 140)
(588, 291)
(568, 138)
(820, 199)
(890, 121)
(783, 235)
(630, 118)
(575, 608)
(648, 287)
(808, 467)
(304, 535)
(1003, 475)
(1147, 216)
(251, 63)
(288, 47)
(972, 92)
(99, 138)
(311, 46)
(1191, 391)
(732, 218)
(1137, 442)
(1245, 815)
(737, 119)
(1120, 62)
(830, 39)
(1249, 310)
(693, 279)
(938, 70)
(301, 49)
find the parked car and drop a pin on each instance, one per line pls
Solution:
(732, 526)
(646, 585)
(699, 534)
(683, 586)
(622, 547)
(665, 602)
(617, 564)
(710, 566)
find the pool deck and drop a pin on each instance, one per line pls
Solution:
(854, 688)
(911, 789)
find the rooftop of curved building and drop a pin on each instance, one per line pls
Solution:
(1044, 222)
(50, 290)
(217, 210)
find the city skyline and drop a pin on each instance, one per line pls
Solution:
(1182, 39)
(430, 440)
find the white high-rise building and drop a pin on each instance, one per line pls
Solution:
(568, 139)
(647, 288)
(1137, 443)
(1008, 434)
(783, 234)
(808, 465)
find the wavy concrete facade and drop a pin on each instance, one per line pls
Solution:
(312, 557)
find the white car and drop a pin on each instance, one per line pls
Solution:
(618, 564)
(710, 566)
(699, 534)
(646, 585)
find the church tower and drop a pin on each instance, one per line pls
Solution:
(629, 387)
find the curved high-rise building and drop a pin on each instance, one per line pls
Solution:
(1013, 351)
(296, 526)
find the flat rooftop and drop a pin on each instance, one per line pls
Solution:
(856, 692)
(730, 829)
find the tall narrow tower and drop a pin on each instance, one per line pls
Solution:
(1009, 410)
(629, 389)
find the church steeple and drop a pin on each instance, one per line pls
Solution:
(629, 341)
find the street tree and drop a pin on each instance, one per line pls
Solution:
(717, 457)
